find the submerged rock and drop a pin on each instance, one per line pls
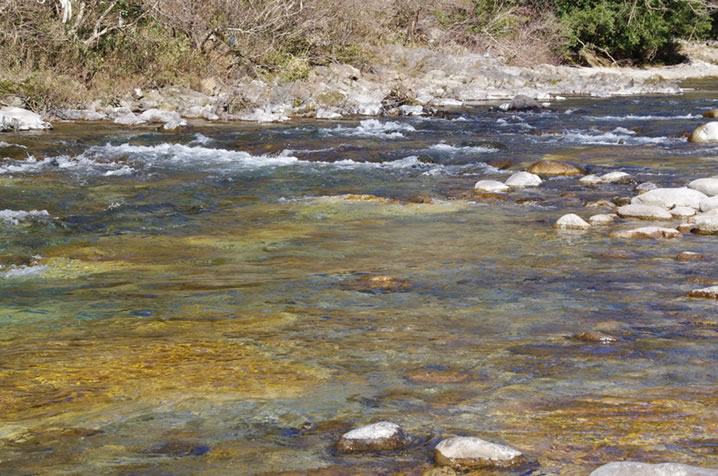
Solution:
(649, 232)
(671, 197)
(644, 212)
(380, 284)
(553, 167)
(377, 437)
(690, 256)
(465, 453)
(709, 186)
(571, 222)
(490, 186)
(594, 336)
(524, 179)
(630, 468)
(18, 119)
(602, 219)
(704, 134)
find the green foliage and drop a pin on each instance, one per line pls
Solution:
(639, 31)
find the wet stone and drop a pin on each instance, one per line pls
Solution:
(492, 196)
(602, 219)
(437, 377)
(690, 256)
(466, 453)
(490, 186)
(553, 167)
(380, 283)
(649, 232)
(501, 164)
(706, 293)
(571, 222)
(644, 212)
(376, 437)
(630, 468)
(621, 201)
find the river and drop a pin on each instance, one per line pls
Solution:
(232, 299)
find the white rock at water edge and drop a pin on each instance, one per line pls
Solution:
(648, 232)
(571, 222)
(670, 197)
(590, 180)
(629, 468)
(644, 212)
(615, 177)
(524, 179)
(18, 119)
(490, 186)
(602, 219)
(469, 452)
(708, 204)
(709, 186)
(378, 436)
(706, 224)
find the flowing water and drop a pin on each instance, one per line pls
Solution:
(232, 299)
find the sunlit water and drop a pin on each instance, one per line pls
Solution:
(203, 302)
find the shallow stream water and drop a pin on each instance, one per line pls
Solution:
(231, 300)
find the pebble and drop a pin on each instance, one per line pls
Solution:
(376, 437)
(649, 232)
(571, 222)
(466, 453)
(630, 468)
(644, 212)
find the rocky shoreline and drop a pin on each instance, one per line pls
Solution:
(412, 81)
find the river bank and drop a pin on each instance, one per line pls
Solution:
(410, 81)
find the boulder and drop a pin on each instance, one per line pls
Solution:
(649, 232)
(683, 212)
(571, 222)
(670, 197)
(129, 119)
(705, 134)
(706, 225)
(553, 167)
(712, 113)
(708, 204)
(630, 468)
(595, 336)
(524, 179)
(709, 186)
(521, 102)
(690, 256)
(590, 180)
(379, 436)
(707, 293)
(616, 177)
(466, 453)
(18, 119)
(490, 186)
(602, 219)
(644, 212)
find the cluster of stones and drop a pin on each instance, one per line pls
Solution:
(461, 454)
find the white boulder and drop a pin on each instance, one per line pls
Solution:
(602, 219)
(18, 119)
(571, 222)
(708, 204)
(648, 232)
(490, 186)
(709, 186)
(705, 134)
(644, 212)
(524, 179)
(378, 436)
(467, 453)
(590, 180)
(670, 197)
(706, 224)
(615, 177)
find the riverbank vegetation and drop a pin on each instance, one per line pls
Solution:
(64, 52)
